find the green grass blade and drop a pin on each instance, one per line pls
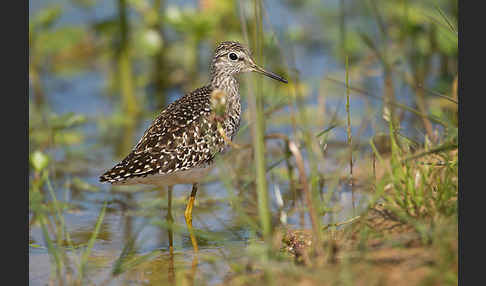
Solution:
(87, 251)
(51, 249)
(446, 19)
(326, 130)
(441, 148)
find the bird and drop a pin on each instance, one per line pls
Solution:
(181, 143)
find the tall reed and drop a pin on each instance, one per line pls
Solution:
(125, 72)
(258, 128)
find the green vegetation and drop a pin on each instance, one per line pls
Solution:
(348, 175)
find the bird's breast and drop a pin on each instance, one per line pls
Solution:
(233, 118)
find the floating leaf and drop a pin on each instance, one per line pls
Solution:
(81, 185)
(68, 138)
(67, 120)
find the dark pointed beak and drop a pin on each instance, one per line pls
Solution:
(258, 69)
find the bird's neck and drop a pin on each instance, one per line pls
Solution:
(227, 83)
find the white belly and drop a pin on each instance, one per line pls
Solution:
(181, 177)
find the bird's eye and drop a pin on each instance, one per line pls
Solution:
(233, 56)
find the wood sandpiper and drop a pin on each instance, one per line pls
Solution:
(180, 144)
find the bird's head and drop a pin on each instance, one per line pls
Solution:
(232, 58)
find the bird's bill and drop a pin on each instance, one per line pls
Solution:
(259, 69)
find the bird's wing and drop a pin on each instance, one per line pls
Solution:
(182, 137)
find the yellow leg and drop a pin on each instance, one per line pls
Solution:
(188, 216)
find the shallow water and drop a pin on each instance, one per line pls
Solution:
(136, 216)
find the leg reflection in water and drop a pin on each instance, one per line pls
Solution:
(170, 221)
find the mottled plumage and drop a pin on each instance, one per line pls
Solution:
(182, 141)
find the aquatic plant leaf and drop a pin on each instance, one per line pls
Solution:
(47, 17)
(67, 120)
(149, 41)
(39, 160)
(81, 185)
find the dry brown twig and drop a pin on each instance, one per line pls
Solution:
(303, 181)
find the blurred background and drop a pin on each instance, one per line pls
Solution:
(370, 82)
